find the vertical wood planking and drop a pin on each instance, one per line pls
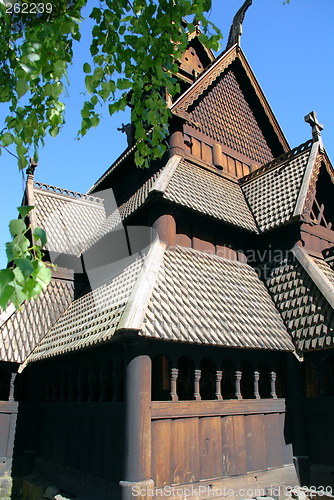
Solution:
(196, 148)
(206, 152)
(240, 443)
(274, 440)
(228, 447)
(255, 442)
(185, 451)
(287, 447)
(161, 452)
(210, 446)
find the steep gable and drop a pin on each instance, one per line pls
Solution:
(227, 104)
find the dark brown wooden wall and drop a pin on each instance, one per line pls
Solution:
(198, 446)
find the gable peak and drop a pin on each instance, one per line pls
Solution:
(236, 28)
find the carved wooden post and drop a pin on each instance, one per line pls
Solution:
(173, 384)
(11, 386)
(138, 429)
(273, 385)
(197, 378)
(219, 376)
(238, 375)
(256, 385)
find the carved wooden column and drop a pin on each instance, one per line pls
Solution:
(273, 385)
(173, 384)
(238, 375)
(176, 143)
(197, 378)
(219, 376)
(165, 226)
(138, 429)
(256, 385)
(11, 386)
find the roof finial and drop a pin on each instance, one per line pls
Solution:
(236, 28)
(31, 167)
(311, 118)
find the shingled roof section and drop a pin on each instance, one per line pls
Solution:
(306, 312)
(70, 219)
(23, 329)
(167, 296)
(272, 191)
(211, 194)
(190, 283)
(92, 318)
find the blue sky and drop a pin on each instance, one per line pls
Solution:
(290, 48)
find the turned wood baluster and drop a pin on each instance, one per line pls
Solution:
(219, 376)
(273, 385)
(238, 375)
(197, 378)
(173, 384)
(11, 387)
(256, 385)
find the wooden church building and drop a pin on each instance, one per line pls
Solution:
(186, 338)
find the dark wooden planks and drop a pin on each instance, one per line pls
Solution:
(161, 452)
(210, 445)
(185, 451)
(255, 442)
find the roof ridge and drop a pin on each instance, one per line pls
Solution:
(277, 161)
(67, 192)
(316, 274)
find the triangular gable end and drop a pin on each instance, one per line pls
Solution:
(315, 203)
(227, 104)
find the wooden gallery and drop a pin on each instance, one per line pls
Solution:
(186, 338)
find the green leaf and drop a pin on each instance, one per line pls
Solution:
(123, 84)
(25, 266)
(39, 234)
(6, 276)
(6, 296)
(21, 87)
(24, 210)
(17, 226)
(7, 139)
(87, 68)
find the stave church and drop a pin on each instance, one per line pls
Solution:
(184, 346)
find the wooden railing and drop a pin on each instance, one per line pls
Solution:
(199, 440)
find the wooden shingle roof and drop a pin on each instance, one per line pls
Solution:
(272, 191)
(167, 295)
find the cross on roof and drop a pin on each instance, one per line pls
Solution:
(311, 118)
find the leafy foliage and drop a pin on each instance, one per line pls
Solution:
(133, 51)
(27, 274)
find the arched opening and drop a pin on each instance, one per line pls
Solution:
(84, 384)
(108, 382)
(185, 380)
(247, 380)
(264, 381)
(280, 380)
(208, 379)
(4, 384)
(328, 375)
(310, 379)
(228, 381)
(160, 378)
